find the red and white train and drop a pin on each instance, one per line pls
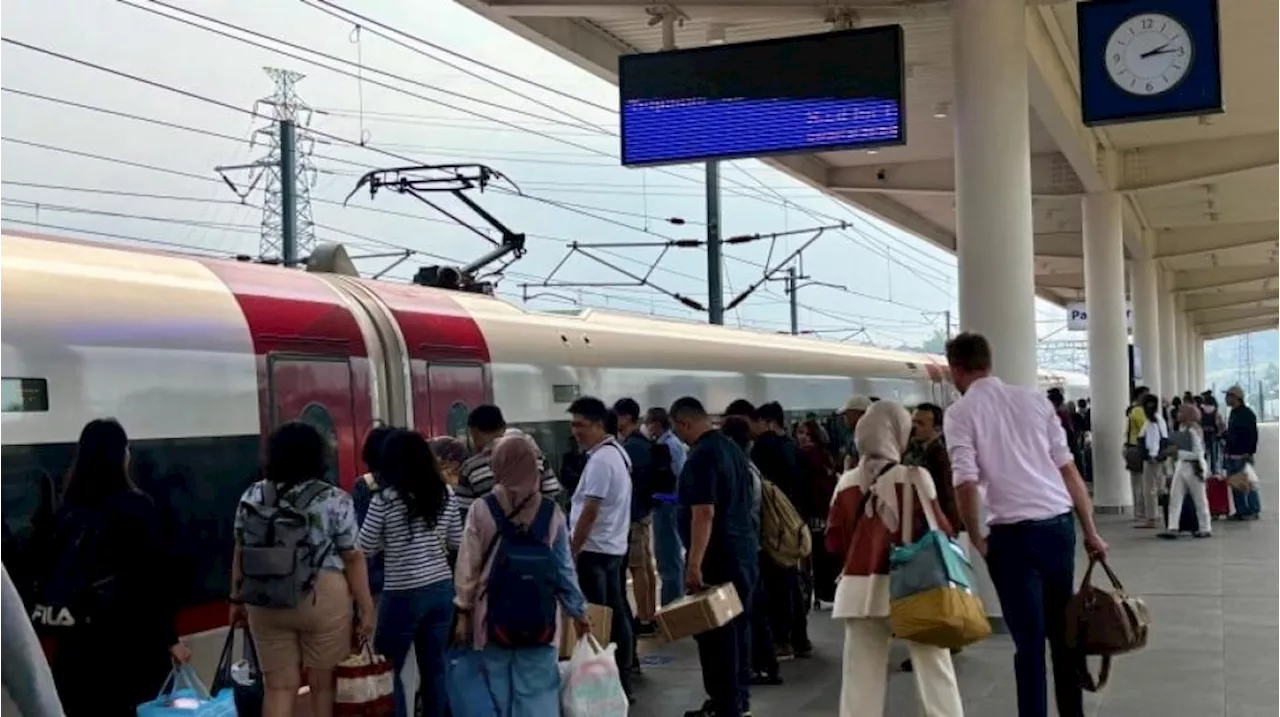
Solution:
(199, 357)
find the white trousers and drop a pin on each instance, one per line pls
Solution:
(866, 673)
(1185, 481)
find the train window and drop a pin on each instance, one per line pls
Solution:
(317, 416)
(456, 421)
(25, 395)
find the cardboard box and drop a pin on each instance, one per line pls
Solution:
(601, 619)
(695, 614)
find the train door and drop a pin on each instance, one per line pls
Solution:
(444, 394)
(317, 390)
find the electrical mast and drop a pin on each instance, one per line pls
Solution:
(288, 231)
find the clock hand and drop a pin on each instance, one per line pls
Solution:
(1156, 51)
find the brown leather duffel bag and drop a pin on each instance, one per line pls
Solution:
(1104, 624)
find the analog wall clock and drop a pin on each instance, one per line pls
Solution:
(1149, 54)
(1148, 59)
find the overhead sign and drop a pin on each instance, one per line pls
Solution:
(815, 93)
(1078, 317)
(1148, 59)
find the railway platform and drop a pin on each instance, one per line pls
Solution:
(1213, 650)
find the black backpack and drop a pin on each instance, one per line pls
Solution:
(662, 474)
(74, 588)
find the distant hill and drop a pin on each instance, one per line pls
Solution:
(1222, 361)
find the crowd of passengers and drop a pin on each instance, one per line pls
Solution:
(670, 496)
(1174, 446)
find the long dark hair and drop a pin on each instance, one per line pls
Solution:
(99, 471)
(295, 453)
(371, 453)
(409, 466)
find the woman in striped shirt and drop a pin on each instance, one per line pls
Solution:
(414, 521)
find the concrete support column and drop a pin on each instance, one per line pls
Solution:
(1197, 364)
(1146, 320)
(1180, 348)
(1103, 221)
(993, 182)
(1168, 338)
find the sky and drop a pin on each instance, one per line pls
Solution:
(558, 146)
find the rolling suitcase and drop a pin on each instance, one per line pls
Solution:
(1219, 497)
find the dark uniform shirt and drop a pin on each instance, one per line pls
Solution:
(717, 473)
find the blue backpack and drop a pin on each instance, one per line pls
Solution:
(522, 580)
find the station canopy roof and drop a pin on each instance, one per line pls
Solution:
(1200, 193)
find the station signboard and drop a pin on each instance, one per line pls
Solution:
(1078, 317)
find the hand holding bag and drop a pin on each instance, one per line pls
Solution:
(931, 598)
(364, 685)
(184, 695)
(243, 677)
(592, 686)
(1104, 623)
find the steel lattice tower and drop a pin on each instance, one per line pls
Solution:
(1244, 363)
(283, 105)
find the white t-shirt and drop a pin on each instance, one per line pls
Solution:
(607, 478)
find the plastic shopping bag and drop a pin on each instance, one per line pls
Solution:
(363, 685)
(184, 695)
(466, 683)
(593, 687)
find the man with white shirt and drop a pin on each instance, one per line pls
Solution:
(600, 518)
(1006, 444)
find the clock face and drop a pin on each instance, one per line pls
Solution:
(1148, 54)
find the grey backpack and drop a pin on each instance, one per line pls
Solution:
(279, 561)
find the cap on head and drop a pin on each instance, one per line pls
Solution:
(857, 403)
(1236, 391)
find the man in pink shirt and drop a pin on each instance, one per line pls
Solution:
(1007, 445)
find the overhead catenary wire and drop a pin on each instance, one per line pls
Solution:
(343, 140)
(356, 76)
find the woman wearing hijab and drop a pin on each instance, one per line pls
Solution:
(866, 518)
(1189, 474)
(536, 690)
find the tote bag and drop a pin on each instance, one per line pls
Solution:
(184, 695)
(931, 596)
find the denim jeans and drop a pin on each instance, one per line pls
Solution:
(418, 618)
(524, 682)
(1032, 566)
(601, 579)
(1247, 504)
(669, 552)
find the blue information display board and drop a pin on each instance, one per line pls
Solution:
(837, 90)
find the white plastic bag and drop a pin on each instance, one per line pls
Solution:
(593, 687)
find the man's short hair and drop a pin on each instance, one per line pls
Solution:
(658, 415)
(741, 407)
(737, 429)
(590, 408)
(969, 352)
(935, 410)
(1056, 397)
(687, 408)
(627, 407)
(771, 412)
(486, 418)
(1139, 392)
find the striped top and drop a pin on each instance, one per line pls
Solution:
(414, 556)
(475, 475)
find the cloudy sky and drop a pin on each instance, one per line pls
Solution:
(558, 145)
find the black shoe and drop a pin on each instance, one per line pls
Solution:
(646, 629)
(906, 665)
(1201, 534)
(1167, 535)
(804, 652)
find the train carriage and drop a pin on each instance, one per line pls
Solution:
(199, 357)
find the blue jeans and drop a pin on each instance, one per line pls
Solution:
(419, 618)
(1032, 566)
(524, 682)
(1247, 504)
(669, 552)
